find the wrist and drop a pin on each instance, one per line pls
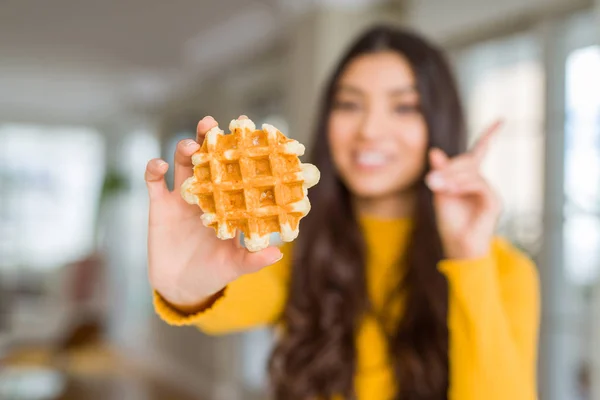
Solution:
(182, 297)
(466, 250)
(192, 306)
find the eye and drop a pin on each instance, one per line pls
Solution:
(405, 109)
(346, 105)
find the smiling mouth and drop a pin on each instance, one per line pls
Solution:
(371, 159)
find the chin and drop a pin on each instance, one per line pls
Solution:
(379, 188)
(371, 190)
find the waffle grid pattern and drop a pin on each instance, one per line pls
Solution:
(250, 180)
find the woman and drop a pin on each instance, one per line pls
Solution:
(396, 287)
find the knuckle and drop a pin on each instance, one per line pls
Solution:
(148, 176)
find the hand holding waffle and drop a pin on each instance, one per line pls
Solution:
(249, 181)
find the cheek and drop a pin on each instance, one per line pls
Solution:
(340, 133)
(415, 140)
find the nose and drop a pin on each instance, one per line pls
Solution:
(370, 128)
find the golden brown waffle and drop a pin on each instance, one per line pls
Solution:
(252, 181)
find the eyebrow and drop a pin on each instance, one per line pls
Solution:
(394, 92)
(403, 90)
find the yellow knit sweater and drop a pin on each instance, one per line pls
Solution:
(493, 316)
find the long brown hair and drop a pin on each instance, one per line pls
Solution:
(316, 357)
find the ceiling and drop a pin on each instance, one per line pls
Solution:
(87, 61)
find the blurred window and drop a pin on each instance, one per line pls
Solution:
(582, 165)
(504, 79)
(50, 181)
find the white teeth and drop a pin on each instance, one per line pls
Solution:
(371, 159)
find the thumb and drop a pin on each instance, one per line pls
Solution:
(437, 158)
(248, 262)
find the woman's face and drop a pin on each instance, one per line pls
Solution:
(377, 134)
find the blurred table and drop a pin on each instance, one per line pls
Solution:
(91, 372)
(31, 383)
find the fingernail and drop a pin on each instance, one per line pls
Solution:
(207, 120)
(278, 258)
(162, 164)
(435, 181)
(190, 143)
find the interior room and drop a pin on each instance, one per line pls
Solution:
(91, 91)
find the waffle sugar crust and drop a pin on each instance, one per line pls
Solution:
(250, 181)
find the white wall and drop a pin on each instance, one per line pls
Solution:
(319, 38)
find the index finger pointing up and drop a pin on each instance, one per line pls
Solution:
(481, 147)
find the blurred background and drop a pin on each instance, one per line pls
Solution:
(91, 90)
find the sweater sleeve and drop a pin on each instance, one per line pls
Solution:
(493, 321)
(252, 300)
